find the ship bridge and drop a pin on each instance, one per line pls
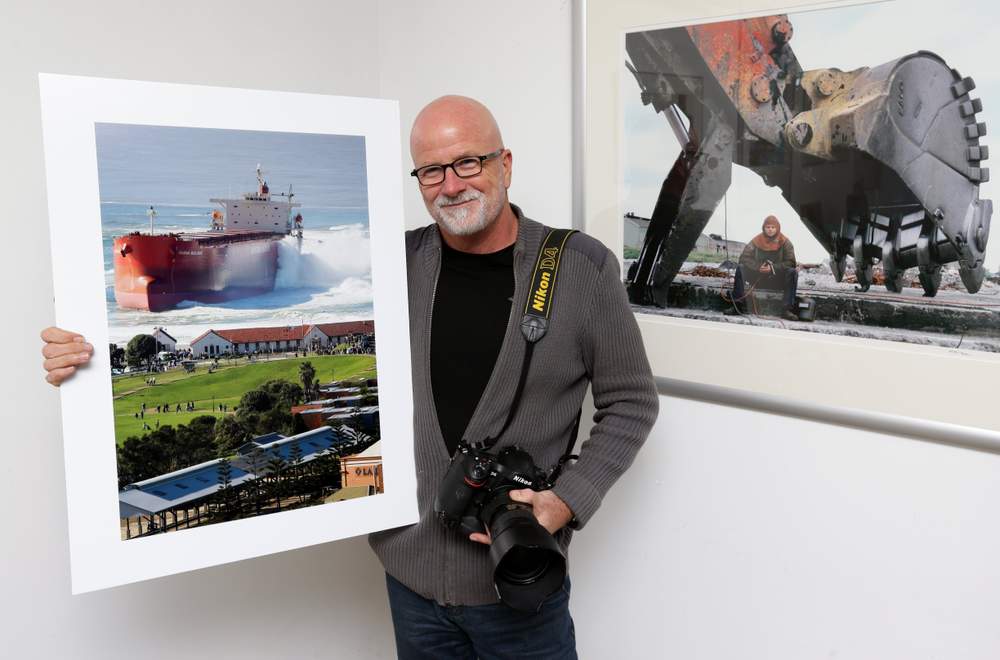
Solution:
(258, 211)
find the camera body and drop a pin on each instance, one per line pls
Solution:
(475, 487)
(528, 564)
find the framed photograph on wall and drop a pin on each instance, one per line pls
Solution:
(802, 205)
(236, 259)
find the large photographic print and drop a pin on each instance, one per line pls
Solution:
(236, 259)
(242, 346)
(821, 171)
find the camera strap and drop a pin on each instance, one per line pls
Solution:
(535, 323)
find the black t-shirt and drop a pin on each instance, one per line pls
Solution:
(471, 309)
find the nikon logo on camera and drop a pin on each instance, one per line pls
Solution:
(546, 265)
(521, 480)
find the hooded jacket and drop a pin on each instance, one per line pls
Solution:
(761, 249)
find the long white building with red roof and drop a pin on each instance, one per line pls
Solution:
(280, 338)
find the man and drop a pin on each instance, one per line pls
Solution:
(468, 276)
(767, 263)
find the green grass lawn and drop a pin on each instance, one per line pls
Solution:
(711, 257)
(226, 385)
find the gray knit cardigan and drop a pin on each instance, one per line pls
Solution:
(592, 337)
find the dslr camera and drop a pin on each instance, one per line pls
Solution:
(528, 564)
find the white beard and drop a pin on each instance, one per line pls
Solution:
(467, 219)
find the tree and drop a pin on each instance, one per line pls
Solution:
(255, 461)
(276, 469)
(284, 393)
(225, 477)
(255, 401)
(294, 461)
(307, 374)
(277, 419)
(298, 425)
(326, 467)
(230, 433)
(144, 457)
(117, 356)
(140, 350)
(195, 442)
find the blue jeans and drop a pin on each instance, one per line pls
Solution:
(426, 630)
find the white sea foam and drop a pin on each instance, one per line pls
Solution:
(326, 258)
(330, 280)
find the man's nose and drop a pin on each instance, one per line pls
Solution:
(452, 184)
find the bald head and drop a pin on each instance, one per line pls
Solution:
(453, 119)
(469, 206)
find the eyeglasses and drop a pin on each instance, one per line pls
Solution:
(464, 168)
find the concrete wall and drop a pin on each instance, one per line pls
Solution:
(736, 534)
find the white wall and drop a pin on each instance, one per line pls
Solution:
(746, 535)
(518, 64)
(736, 534)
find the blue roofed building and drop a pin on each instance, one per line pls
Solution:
(187, 489)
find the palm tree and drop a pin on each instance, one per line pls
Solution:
(307, 374)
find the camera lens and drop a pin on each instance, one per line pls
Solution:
(523, 565)
(528, 564)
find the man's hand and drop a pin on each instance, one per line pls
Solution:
(64, 351)
(765, 268)
(550, 511)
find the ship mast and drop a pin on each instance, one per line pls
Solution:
(262, 190)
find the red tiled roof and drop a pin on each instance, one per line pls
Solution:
(250, 335)
(289, 333)
(245, 335)
(346, 328)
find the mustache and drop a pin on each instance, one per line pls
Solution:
(466, 195)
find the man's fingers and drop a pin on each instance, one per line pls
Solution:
(525, 495)
(64, 361)
(479, 538)
(57, 376)
(60, 336)
(53, 350)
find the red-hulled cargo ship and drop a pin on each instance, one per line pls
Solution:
(236, 258)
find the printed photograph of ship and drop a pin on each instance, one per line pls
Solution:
(236, 258)
(804, 172)
(243, 351)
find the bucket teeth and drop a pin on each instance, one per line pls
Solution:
(979, 174)
(973, 131)
(979, 153)
(970, 108)
(963, 87)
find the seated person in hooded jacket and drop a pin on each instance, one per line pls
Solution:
(767, 263)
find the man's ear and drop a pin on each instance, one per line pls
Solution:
(508, 166)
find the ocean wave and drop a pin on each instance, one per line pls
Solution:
(326, 258)
(361, 227)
